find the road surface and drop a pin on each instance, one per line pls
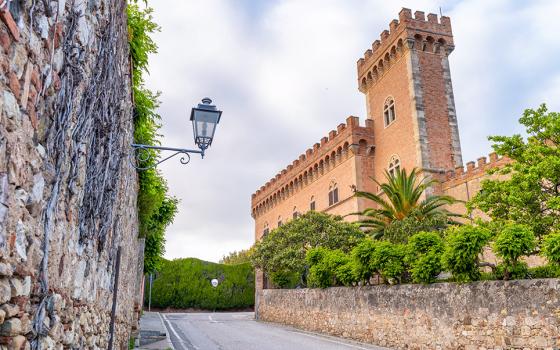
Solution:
(239, 331)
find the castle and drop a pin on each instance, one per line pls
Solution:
(411, 123)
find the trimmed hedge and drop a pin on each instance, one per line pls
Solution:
(185, 283)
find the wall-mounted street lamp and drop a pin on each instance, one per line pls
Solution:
(204, 117)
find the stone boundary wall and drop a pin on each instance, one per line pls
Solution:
(68, 195)
(522, 314)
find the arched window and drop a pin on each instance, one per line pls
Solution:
(389, 115)
(394, 165)
(333, 193)
(295, 213)
(279, 220)
(266, 229)
(312, 203)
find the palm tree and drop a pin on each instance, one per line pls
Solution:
(400, 199)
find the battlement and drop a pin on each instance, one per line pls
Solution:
(473, 170)
(420, 33)
(348, 137)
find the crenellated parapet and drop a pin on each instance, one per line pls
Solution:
(473, 170)
(407, 33)
(349, 139)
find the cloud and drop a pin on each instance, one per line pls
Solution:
(284, 73)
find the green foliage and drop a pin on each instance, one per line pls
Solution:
(156, 209)
(546, 271)
(285, 279)
(399, 231)
(551, 248)
(423, 255)
(463, 246)
(401, 199)
(517, 270)
(239, 257)
(512, 242)
(284, 249)
(379, 257)
(185, 283)
(530, 194)
(329, 268)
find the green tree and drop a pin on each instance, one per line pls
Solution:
(423, 255)
(237, 257)
(283, 250)
(463, 247)
(401, 198)
(530, 192)
(156, 208)
(329, 268)
(512, 242)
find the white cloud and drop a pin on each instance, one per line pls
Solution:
(284, 73)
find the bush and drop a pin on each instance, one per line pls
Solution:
(399, 231)
(185, 283)
(517, 270)
(388, 261)
(329, 268)
(551, 248)
(546, 271)
(512, 242)
(463, 246)
(423, 255)
(362, 256)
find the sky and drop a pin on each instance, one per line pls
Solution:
(284, 73)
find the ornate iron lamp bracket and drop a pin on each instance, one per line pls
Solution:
(141, 154)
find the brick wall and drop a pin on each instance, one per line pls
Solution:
(523, 314)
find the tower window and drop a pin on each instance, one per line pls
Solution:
(266, 230)
(394, 165)
(279, 221)
(312, 203)
(333, 194)
(295, 214)
(389, 115)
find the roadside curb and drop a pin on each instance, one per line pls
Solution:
(167, 337)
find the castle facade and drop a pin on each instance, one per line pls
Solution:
(411, 123)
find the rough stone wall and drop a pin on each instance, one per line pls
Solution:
(67, 191)
(522, 314)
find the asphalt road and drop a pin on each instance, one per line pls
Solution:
(239, 331)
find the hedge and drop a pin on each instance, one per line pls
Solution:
(185, 284)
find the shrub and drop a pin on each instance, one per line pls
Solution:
(546, 271)
(185, 283)
(399, 231)
(514, 241)
(423, 255)
(329, 268)
(284, 278)
(463, 246)
(551, 248)
(362, 256)
(388, 261)
(517, 270)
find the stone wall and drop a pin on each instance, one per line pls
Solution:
(523, 314)
(67, 191)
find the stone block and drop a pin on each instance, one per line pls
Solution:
(6, 270)
(11, 327)
(10, 310)
(2, 316)
(5, 291)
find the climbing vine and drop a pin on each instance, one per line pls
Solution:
(156, 208)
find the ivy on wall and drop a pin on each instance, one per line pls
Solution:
(156, 208)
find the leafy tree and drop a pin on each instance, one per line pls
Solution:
(156, 209)
(237, 257)
(512, 242)
(399, 231)
(423, 255)
(362, 255)
(551, 248)
(530, 194)
(401, 199)
(284, 248)
(463, 246)
(388, 261)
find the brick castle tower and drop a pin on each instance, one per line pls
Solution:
(407, 83)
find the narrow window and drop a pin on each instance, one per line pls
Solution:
(295, 214)
(333, 194)
(279, 221)
(312, 203)
(266, 230)
(389, 114)
(394, 165)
